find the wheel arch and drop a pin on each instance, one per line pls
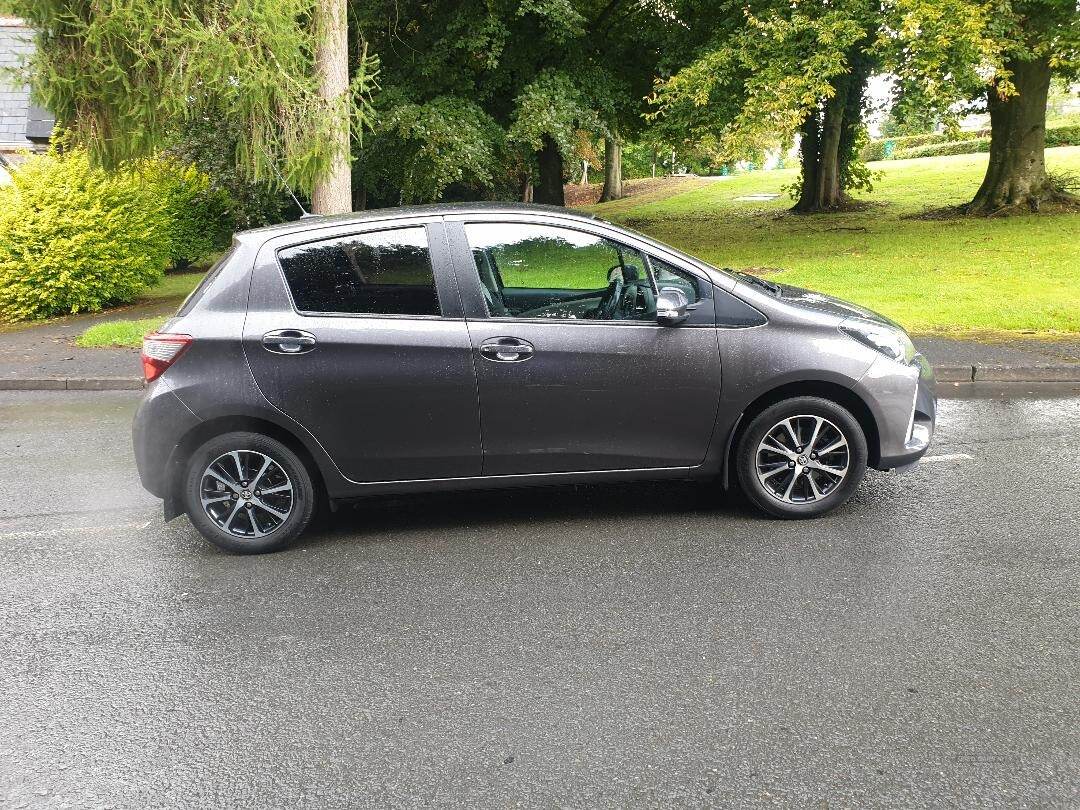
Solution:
(206, 430)
(835, 392)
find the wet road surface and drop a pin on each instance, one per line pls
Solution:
(604, 646)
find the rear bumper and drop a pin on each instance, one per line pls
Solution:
(161, 421)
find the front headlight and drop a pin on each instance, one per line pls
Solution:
(893, 343)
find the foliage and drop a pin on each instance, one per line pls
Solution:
(420, 150)
(197, 212)
(1055, 136)
(75, 239)
(757, 83)
(211, 147)
(930, 275)
(963, 147)
(940, 143)
(535, 70)
(551, 105)
(126, 77)
(118, 334)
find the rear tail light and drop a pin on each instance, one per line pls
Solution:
(159, 351)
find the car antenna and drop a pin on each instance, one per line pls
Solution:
(304, 213)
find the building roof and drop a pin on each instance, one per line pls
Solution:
(22, 124)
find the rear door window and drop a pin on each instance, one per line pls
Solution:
(378, 273)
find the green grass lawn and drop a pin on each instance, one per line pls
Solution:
(127, 334)
(1017, 275)
(173, 285)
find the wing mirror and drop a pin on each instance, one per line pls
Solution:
(672, 306)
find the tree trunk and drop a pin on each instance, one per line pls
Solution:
(1016, 172)
(828, 188)
(612, 170)
(584, 173)
(808, 153)
(527, 191)
(549, 188)
(333, 191)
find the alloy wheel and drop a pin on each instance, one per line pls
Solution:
(246, 493)
(802, 459)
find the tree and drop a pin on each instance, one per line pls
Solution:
(532, 74)
(947, 49)
(127, 78)
(774, 69)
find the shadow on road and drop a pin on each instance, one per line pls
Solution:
(373, 518)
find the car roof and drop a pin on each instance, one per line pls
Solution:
(312, 222)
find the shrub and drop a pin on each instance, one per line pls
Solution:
(75, 239)
(1065, 132)
(1067, 135)
(199, 219)
(963, 147)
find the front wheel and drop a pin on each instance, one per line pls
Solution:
(247, 493)
(801, 457)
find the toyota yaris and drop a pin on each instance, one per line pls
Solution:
(472, 346)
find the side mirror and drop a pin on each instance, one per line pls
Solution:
(671, 306)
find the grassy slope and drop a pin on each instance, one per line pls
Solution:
(118, 333)
(1015, 274)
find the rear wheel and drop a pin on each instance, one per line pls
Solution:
(247, 493)
(801, 457)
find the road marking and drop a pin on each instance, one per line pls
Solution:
(948, 457)
(31, 534)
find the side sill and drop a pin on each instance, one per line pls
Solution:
(359, 490)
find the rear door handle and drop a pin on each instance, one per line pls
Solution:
(288, 341)
(506, 349)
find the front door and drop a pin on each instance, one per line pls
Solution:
(574, 372)
(360, 338)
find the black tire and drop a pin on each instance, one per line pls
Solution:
(801, 491)
(253, 528)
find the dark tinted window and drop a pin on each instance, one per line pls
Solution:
(380, 273)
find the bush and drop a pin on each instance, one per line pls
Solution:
(1067, 135)
(199, 218)
(963, 147)
(1065, 132)
(75, 239)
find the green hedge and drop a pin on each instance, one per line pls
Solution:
(75, 239)
(936, 144)
(964, 147)
(1063, 136)
(875, 150)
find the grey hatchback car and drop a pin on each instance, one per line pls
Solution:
(481, 346)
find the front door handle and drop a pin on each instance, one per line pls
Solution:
(288, 341)
(506, 349)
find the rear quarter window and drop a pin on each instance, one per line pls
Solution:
(196, 294)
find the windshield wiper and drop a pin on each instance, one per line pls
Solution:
(760, 282)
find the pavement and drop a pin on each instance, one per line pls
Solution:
(606, 646)
(44, 357)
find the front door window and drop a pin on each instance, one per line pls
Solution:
(542, 271)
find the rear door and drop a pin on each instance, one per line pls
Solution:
(574, 372)
(357, 333)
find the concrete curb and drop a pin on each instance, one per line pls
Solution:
(961, 374)
(71, 383)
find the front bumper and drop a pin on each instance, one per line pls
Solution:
(906, 408)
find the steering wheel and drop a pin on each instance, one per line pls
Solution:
(610, 302)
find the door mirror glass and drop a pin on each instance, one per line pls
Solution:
(671, 306)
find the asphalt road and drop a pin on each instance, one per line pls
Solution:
(613, 646)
